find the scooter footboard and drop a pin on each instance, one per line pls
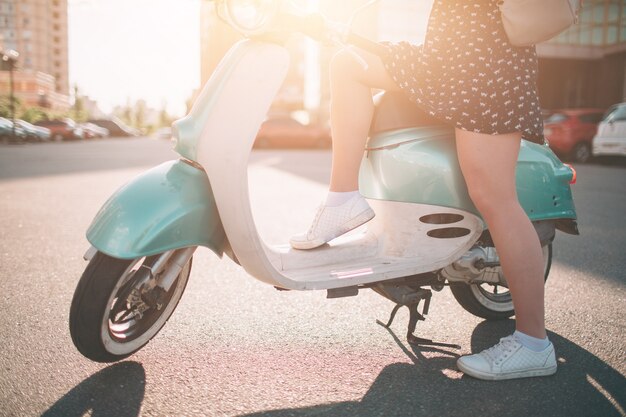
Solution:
(168, 207)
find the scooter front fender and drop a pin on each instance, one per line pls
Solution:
(168, 207)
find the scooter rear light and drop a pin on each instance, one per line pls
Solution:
(573, 180)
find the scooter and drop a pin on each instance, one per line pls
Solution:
(426, 235)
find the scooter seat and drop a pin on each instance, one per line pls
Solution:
(393, 111)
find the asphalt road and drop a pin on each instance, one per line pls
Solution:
(237, 347)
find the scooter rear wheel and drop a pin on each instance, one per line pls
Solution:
(114, 313)
(488, 303)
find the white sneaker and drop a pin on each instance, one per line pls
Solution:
(507, 360)
(331, 222)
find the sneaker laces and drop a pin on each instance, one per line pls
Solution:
(318, 214)
(506, 345)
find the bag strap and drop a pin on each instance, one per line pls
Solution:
(576, 10)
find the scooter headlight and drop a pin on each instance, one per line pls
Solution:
(251, 17)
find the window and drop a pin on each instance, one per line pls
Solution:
(557, 118)
(594, 118)
(615, 114)
(613, 13)
(601, 23)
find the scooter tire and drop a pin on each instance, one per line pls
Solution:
(472, 299)
(90, 306)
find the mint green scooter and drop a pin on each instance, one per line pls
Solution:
(426, 233)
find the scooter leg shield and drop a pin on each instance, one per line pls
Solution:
(168, 207)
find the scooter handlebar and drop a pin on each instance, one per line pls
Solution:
(317, 27)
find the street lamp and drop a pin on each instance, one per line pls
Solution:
(10, 57)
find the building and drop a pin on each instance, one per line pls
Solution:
(37, 29)
(585, 66)
(34, 89)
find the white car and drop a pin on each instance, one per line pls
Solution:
(611, 136)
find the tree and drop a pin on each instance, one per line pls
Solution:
(79, 112)
(5, 106)
(140, 114)
(164, 118)
(35, 114)
(125, 113)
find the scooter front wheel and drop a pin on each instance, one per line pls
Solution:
(492, 302)
(118, 306)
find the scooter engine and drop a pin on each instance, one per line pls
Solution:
(472, 267)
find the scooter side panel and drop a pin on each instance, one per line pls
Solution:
(421, 166)
(415, 166)
(168, 207)
(543, 184)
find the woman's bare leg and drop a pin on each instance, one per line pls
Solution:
(351, 113)
(488, 164)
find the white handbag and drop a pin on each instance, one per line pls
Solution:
(528, 22)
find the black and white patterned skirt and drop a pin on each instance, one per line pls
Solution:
(467, 73)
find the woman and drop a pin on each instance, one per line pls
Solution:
(468, 75)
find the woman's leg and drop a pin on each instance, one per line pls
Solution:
(488, 164)
(351, 116)
(351, 113)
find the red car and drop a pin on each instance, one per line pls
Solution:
(285, 132)
(570, 131)
(63, 129)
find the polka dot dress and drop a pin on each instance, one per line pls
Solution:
(467, 73)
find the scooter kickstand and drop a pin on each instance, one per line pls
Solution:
(414, 317)
(391, 316)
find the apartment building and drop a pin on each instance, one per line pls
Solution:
(38, 30)
(585, 66)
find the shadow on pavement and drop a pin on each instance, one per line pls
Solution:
(583, 386)
(114, 391)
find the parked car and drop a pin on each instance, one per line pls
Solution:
(286, 132)
(570, 131)
(116, 127)
(63, 129)
(7, 131)
(610, 140)
(34, 133)
(94, 131)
